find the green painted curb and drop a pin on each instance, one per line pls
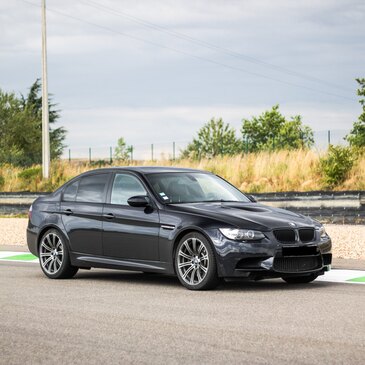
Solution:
(361, 279)
(24, 257)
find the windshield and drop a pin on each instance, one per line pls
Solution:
(182, 187)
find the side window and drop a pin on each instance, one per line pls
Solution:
(69, 195)
(92, 188)
(124, 187)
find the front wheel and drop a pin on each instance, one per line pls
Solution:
(195, 263)
(54, 256)
(300, 279)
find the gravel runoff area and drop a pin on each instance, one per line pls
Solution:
(348, 240)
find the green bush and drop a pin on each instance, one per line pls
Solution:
(30, 178)
(336, 166)
(30, 174)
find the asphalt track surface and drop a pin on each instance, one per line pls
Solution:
(117, 317)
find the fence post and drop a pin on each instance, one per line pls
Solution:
(152, 152)
(329, 137)
(89, 154)
(173, 151)
(246, 144)
(131, 153)
(111, 155)
(69, 155)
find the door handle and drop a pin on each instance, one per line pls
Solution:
(67, 211)
(109, 216)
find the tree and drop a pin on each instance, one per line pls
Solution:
(21, 128)
(356, 138)
(271, 131)
(214, 138)
(122, 151)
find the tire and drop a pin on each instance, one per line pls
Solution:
(54, 257)
(195, 263)
(300, 279)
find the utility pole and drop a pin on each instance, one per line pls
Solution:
(45, 114)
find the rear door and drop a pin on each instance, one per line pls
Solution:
(129, 232)
(82, 208)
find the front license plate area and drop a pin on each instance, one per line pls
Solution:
(299, 251)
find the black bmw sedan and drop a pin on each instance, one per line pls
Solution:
(182, 222)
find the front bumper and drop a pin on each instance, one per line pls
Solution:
(270, 258)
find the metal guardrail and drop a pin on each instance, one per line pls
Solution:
(326, 206)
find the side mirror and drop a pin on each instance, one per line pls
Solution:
(140, 201)
(252, 198)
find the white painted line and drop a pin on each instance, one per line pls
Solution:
(5, 254)
(341, 276)
(11, 253)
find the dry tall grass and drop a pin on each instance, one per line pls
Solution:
(253, 173)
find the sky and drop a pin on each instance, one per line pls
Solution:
(155, 72)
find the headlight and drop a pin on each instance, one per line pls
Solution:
(321, 231)
(241, 234)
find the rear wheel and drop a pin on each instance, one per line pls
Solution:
(54, 256)
(195, 263)
(300, 279)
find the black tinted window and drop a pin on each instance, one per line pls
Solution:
(69, 194)
(124, 187)
(92, 188)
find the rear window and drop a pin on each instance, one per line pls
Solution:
(92, 188)
(70, 192)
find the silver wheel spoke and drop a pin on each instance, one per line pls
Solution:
(188, 271)
(49, 241)
(183, 264)
(46, 262)
(187, 246)
(199, 275)
(46, 254)
(46, 247)
(54, 266)
(193, 246)
(183, 254)
(193, 276)
(204, 269)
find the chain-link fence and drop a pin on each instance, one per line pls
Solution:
(172, 150)
(138, 152)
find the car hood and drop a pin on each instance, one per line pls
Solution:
(247, 215)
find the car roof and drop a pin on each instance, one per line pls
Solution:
(146, 169)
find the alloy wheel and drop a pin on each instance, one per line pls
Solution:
(193, 261)
(51, 253)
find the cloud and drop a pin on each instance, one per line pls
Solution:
(154, 94)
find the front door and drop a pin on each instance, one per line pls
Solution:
(129, 232)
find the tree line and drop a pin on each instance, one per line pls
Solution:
(21, 132)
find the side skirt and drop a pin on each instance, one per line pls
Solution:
(86, 261)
